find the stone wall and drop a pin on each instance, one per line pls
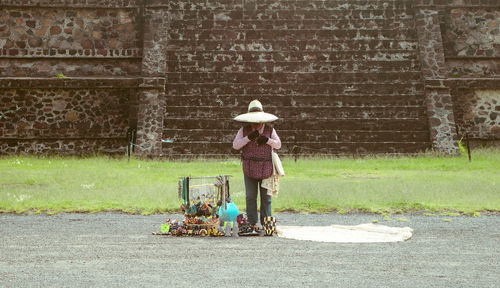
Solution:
(471, 31)
(471, 37)
(480, 111)
(61, 115)
(56, 113)
(84, 59)
(76, 42)
(345, 77)
(477, 109)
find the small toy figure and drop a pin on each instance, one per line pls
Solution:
(230, 229)
(269, 225)
(165, 228)
(203, 232)
(211, 232)
(180, 231)
(205, 210)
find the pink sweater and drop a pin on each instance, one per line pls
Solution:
(240, 141)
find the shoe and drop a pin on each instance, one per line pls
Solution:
(256, 228)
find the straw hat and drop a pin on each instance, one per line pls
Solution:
(255, 114)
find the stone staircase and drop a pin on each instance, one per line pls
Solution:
(343, 76)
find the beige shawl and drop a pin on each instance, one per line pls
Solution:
(272, 183)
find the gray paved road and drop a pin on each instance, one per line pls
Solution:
(113, 249)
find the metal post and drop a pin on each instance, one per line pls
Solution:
(294, 149)
(187, 193)
(468, 145)
(129, 143)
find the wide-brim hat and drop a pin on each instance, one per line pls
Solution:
(256, 114)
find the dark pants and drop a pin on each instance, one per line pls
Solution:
(252, 189)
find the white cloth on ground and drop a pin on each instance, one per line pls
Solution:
(363, 233)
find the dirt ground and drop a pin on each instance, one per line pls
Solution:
(114, 249)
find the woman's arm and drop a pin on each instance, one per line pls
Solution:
(240, 141)
(274, 141)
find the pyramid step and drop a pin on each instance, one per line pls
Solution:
(291, 89)
(283, 51)
(392, 112)
(293, 77)
(330, 5)
(222, 135)
(240, 101)
(186, 47)
(335, 13)
(276, 24)
(304, 124)
(340, 148)
(193, 5)
(201, 148)
(311, 66)
(291, 34)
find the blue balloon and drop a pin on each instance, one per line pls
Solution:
(230, 214)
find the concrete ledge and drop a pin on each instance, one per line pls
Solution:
(450, 83)
(454, 57)
(103, 4)
(71, 53)
(130, 4)
(78, 83)
(457, 3)
(12, 140)
(73, 3)
(483, 83)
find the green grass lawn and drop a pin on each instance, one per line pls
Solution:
(374, 184)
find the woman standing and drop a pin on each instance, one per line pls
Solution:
(256, 140)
